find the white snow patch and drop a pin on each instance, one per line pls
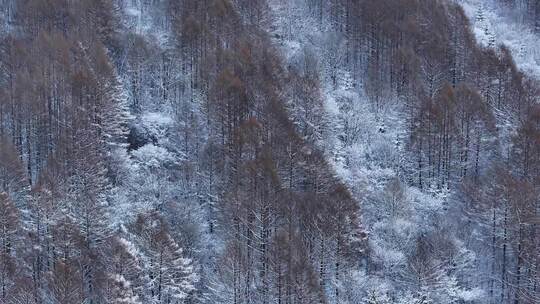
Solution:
(153, 157)
(472, 294)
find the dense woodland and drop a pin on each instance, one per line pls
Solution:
(527, 11)
(265, 151)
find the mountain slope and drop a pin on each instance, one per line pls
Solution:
(268, 151)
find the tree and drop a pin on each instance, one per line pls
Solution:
(121, 292)
(172, 275)
(67, 276)
(12, 174)
(394, 197)
(9, 238)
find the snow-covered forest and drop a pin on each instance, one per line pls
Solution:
(269, 151)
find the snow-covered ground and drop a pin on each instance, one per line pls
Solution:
(493, 25)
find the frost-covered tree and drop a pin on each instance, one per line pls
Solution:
(120, 291)
(9, 246)
(171, 274)
(12, 174)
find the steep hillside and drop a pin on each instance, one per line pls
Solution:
(369, 132)
(269, 151)
(503, 23)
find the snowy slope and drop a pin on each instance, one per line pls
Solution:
(494, 26)
(369, 163)
(375, 155)
(297, 38)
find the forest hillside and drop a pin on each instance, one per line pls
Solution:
(269, 151)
